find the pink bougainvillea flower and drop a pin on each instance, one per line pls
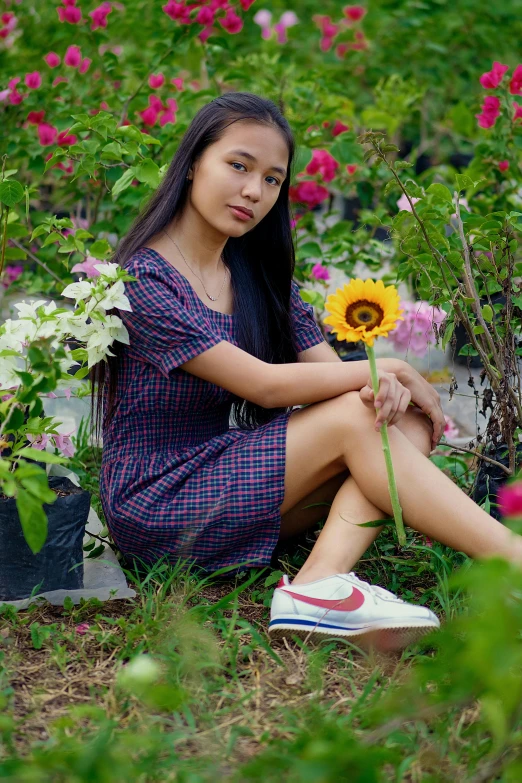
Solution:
(35, 117)
(9, 21)
(169, 115)
(82, 628)
(178, 83)
(84, 65)
(351, 168)
(47, 134)
(491, 79)
(64, 444)
(11, 273)
(156, 80)
(231, 22)
(503, 165)
(515, 85)
(73, 56)
(69, 14)
(15, 97)
(320, 272)
(245, 4)
(149, 115)
(179, 12)
(518, 111)
(309, 193)
(59, 80)
(354, 13)
(510, 499)
(324, 163)
(52, 60)
(205, 35)
(404, 204)
(87, 267)
(99, 15)
(450, 430)
(341, 50)
(360, 42)
(38, 441)
(416, 331)
(263, 17)
(13, 82)
(339, 128)
(65, 139)
(288, 19)
(490, 111)
(33, 80)
(205, 16)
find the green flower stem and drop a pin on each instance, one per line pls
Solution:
(392, 485)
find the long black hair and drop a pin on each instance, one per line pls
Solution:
(261, 262)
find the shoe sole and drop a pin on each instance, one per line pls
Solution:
(384, 638)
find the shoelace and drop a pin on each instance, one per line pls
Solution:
(374, 590)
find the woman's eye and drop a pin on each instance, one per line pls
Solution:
(235, 163)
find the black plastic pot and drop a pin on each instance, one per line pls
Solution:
(59, 564)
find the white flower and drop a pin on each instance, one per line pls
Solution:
(108, 270)
(28, 310)
(77, 291)
(8, 367)
(115, 297)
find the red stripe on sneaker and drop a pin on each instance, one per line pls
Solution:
(349, 604)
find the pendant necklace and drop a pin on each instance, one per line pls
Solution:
(212, 298)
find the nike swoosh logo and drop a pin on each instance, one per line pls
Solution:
(349, 604)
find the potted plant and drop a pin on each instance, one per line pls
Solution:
(42, 520)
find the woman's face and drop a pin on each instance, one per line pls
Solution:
(245, 168)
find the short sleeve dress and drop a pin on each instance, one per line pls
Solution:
(176, 480)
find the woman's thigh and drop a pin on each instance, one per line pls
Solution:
(315, 445)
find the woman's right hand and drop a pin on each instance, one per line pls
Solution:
(391, 403)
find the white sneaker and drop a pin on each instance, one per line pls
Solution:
(344, 605)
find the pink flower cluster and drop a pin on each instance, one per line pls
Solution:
(156, 109)
(63, 443)
(9, 22)
(320, 272)
(264, 19)
(11, 274)
(309, 193)
(231, 22)
(416, 331)
(323, 163)
(87, 267)
(450, 430)
(69, 13)
(329, 30)
(491, 80)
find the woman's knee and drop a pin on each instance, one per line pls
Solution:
(418, 429)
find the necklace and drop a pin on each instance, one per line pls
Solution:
(212, 298)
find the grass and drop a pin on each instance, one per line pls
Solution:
(214, 700)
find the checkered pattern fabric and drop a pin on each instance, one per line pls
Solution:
(176, 480)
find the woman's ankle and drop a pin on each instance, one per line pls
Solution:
(313, 572)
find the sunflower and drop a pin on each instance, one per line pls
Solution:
(363, 310)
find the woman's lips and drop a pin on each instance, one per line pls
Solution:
(240, 214)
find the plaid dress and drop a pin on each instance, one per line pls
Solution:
(176, 480)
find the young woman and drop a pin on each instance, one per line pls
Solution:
(218, 326)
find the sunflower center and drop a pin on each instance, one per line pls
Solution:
(364, 313)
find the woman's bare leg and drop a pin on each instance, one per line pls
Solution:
(431, 502)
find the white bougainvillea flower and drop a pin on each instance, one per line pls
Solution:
(115, 297)
(28, 309)
(77, 291)
(108, 270)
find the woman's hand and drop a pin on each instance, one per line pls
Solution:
(392, 400)
(425, 397)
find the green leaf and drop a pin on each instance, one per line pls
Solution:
(40, 456)
(462, 182)
(123, 182)
(448, 334)
(487, 313)
(402, 164)
(302, 158)
(33, 520)
(147, 171)
(11, 192)
(441, 192)
(100, 248)
(376, 523)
